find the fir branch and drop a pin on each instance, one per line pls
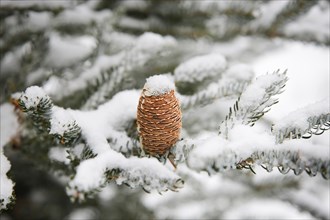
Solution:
(303, 123)
(255, 101)
(214, 91)
(148, 173)
(49, 118)
(284, 160)
(233, 82)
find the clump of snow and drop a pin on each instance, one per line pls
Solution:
(58, 154)
(299, 119)
(81, 15)
(256, 92)
(201, 67)
(267, 14)
(271, 209)
(8, 123)
(86, 213)
(65, 51)
(316, 23)
(7, 186)
(134, 171)
(37, 21)
(158, 85)
(150, 42)
(32, 96)
(240, 72)
(60, 121)
(11, 62)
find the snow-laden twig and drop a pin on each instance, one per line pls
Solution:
(247, 147)
(304, 122)
(95, 127)
(7, 185)
(255, 101)
(233, 82)
(145, 172)
(148, 47)
(199, 68)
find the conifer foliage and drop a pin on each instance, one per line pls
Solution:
(161, 96)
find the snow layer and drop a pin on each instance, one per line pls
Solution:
(8, 129)
(271, 209)
(158, 85)
(65, 51)
(299, 119)
(201, 67)
(7, 186)
(60, 121)
(32, 96)
(316, 23)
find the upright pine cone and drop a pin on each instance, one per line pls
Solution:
(158, 116)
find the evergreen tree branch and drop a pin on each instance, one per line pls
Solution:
(255, 101)
(221, 160)
(92, 174)
(233, 82)
(311, 120)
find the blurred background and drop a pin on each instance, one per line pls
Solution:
(64, 46)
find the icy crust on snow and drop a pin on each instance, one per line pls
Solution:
(199, 68)
(146, 172)
(300, 119)
(158, 85)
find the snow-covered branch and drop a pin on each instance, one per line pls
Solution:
(303, 123)
(95, 127)
(255, 101)
(233, 82)
(247, 147)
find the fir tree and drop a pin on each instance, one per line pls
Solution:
(77, 143)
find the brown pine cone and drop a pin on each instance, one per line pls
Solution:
(158, 117)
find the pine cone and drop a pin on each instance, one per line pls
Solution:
(158, 116)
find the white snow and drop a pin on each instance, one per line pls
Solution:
(267, 14)
(60, 121)
(8, 129)
(158, 85)
(239, 72)
(7, 186)
(201, 67)
(271, 209)
(316, 23)
(90, 173)
(37, 21)
(81, 15)
(256, 91)
(298, 119)
(85, 213)
(59, 154)
(32, 96)
(9, 124)
(65, 51)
